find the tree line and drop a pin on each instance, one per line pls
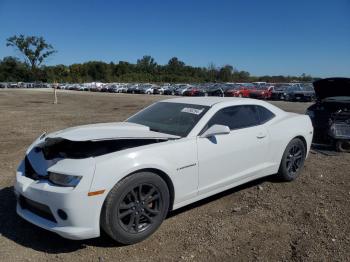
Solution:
(35, 50)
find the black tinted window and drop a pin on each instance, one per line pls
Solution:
(265, 114)
(236, 117)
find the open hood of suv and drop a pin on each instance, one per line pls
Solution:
(330, 87)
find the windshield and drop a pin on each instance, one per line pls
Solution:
(170, 118)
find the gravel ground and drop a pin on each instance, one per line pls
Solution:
(307, 219)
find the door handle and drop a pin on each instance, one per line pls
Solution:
(260, 136)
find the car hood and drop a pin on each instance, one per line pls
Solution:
(330, 87)
(109, 131)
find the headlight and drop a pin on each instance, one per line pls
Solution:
(64, 180)
(311, 114)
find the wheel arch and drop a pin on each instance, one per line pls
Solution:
(167, 180)
(303, 140)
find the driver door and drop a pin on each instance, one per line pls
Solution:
(225, 159)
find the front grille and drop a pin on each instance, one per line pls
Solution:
(36, 208)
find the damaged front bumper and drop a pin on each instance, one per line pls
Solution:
(67, 211)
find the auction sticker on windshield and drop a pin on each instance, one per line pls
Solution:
(194, 111)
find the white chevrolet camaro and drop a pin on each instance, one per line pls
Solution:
(125, 177)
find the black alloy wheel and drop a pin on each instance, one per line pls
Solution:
(139, 208)
(292, 160)
(135, 207)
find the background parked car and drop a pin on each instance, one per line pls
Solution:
(193, 91)
(145, 89)
(240, 90)
(299, 93)
(262, 91)
(134, 89)
(162, 89)
(170, 90)
(214, 90)
(217, 89)
(179, 91)
(118, 89)
(3, 85)
(277, 91)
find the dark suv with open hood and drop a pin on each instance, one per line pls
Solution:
(330, 114)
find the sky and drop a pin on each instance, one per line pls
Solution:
(270, 37)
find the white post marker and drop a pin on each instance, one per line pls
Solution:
(55, 93)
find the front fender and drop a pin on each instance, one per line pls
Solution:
(177, 159)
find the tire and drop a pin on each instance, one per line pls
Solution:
(342, 146)
(240, 95)
(129, 218)
(292, 160)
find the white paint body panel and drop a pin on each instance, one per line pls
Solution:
(197, 167)
(105, 131)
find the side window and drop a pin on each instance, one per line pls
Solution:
(236, 117)
(265, 114)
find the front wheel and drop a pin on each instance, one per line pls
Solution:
(135, 208)
(343, 146)
(292, 160)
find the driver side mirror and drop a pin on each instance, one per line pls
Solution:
(216, 130)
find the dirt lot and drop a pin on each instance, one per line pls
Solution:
(265, 221)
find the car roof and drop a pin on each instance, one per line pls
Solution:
(210, 101)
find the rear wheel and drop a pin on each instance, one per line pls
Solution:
(135, 208)
(292, 160)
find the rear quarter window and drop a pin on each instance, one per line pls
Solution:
(265, 115)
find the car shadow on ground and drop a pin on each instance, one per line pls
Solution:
(23, 233)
